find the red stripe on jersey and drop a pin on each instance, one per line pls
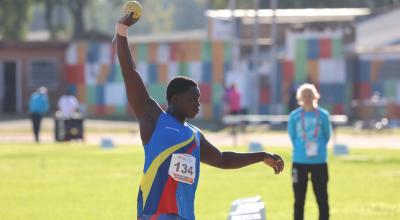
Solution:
(154, 217)
(191, 147)
(167, 202)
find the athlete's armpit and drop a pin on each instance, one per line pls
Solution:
(147, 123)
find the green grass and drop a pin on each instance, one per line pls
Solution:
(78, 181)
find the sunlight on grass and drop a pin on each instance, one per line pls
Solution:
(79, 181)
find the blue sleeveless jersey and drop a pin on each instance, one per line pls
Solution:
(160, 196)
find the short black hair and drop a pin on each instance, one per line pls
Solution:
(179, 85)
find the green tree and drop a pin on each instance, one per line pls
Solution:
(188, 14)
(77, 8)
(160, 16)
(14, 18)
(50, 10)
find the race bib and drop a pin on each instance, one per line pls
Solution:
(311, 149)
(183, 168)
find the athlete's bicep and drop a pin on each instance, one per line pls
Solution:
(209, 154)
(138, 96)
(147, 124)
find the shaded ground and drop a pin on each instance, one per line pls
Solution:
(126, 133)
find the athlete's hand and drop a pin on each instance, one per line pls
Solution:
(128, 20)
(274, 161)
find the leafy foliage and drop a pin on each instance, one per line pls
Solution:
(14, 17)
(161, 15)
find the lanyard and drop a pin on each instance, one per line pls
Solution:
(304, 127)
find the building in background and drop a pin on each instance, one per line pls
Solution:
(26, 66)
(309, 42)
(338, 50)
(377, 67)
(93, 70)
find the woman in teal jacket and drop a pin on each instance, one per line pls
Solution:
(309, 129)
(38, 106)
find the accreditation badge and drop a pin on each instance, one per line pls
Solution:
(183, 168)
(311, 148)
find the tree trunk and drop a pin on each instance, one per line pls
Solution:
(49, 7)
(77, 8)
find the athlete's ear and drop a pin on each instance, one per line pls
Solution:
(175, 99)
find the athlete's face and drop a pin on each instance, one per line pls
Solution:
(189, 102)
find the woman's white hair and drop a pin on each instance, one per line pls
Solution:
(310, 87)
(42, 90)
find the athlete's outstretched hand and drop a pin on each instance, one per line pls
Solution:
(128, 20)
(274, 161)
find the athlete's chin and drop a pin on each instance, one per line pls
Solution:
(193, 115)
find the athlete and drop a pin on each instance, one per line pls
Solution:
(173, 148)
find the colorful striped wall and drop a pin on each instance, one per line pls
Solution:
(316, 58)
(378, 73)
(93, 70)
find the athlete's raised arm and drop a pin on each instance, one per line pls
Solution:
(143, 106)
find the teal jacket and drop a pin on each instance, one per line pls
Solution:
(297, 128)
(38, 103)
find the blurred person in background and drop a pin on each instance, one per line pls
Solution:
(68, 104)
(234, 101)
(38, 106)
(292, 103)
(309, 129)
(225, 100)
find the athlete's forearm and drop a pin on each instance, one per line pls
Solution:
(233, 160)
(124, 55)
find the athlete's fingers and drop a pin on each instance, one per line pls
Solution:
(128, 19)
(277, 166)
(281, 165)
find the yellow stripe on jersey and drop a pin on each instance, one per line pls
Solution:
(148, 177)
